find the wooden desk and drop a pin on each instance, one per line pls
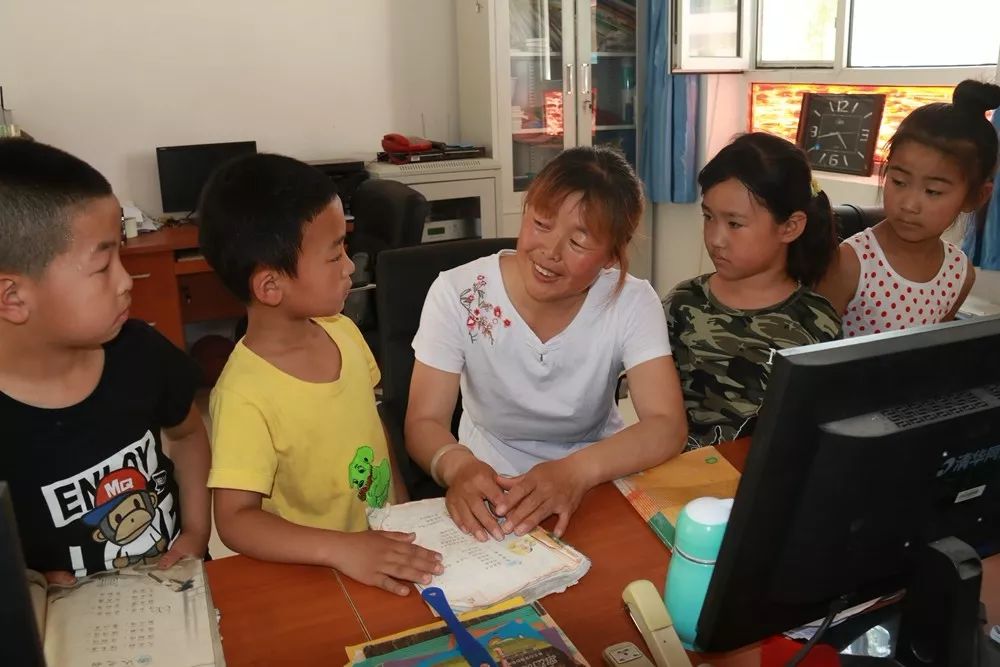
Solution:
(270, 610)
(173, 285)
(281, 614)
(621, 548)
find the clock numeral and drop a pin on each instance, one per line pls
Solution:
(842, 105)
(834, 161)
(813, 131)
(864, 134)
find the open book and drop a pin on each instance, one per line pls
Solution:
(136, 616)
(660, 493)
(479, 574)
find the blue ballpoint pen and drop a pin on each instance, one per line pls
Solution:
(474, 652)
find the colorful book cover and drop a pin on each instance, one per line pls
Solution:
(659, 494)
(518, 636)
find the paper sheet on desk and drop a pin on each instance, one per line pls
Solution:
(478, 574)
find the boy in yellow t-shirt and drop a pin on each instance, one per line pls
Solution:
(299, 452)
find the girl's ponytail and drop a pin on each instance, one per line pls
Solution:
(810, 255)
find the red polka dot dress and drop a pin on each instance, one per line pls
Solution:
(886, 301)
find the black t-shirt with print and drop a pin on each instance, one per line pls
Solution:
(91, 487)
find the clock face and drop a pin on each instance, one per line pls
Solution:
(838, 132)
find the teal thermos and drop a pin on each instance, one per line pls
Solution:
(697, 540)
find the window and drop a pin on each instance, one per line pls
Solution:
(711, 35)
(798, 33)
(716, 35)
(966, 33)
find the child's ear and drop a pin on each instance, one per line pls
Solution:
(791, 229)
(978, 197)
(13, 306)
(265, 286)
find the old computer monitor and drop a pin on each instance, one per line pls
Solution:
(21, 644)
(866, 451)
(184, 170)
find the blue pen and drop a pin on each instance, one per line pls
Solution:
(474, 652)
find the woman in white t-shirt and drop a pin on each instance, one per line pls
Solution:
(536, 339)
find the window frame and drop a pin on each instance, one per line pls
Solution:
(745, 41)
(813, 71)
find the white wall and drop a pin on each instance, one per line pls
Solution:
(109, 80)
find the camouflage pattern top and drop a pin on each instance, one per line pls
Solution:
(723, 354)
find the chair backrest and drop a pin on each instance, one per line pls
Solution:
(851, 219)
(403, 277)
(389, 212)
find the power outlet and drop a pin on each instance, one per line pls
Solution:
(626, 654)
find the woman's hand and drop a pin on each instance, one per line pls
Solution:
(553, 487)
(470, 484)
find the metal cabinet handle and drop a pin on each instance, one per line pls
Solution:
(569, 80)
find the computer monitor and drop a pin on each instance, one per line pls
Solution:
(21, 644)
(184, 170)
(866, 452)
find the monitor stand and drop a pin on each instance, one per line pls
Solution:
(942, 622)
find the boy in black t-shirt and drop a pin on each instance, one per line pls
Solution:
(84, 391)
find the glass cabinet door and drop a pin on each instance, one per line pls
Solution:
(541, 77)
(607, 53)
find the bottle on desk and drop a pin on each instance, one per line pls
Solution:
(697, 541)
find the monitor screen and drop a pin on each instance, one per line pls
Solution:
(185, 169)
(866, 451)
(21, 644)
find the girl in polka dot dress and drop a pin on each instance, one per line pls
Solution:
(900, 273)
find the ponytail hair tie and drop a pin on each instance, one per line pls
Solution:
(814, 187)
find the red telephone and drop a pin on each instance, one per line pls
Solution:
(397, 143)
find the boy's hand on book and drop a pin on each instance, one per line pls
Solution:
(186, 544)
(469, 485)
(386, 559)
(553, 487)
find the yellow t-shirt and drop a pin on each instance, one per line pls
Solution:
(316, 451)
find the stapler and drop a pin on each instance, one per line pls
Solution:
(647, 610)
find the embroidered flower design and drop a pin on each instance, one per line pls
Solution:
(484, 316)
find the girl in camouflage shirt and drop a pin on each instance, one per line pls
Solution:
(770, 234)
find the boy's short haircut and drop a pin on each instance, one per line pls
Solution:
(39, 187)
(252, 213)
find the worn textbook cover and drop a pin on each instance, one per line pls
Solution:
(515, 634)
(479, 574)
(659, 494)
(137, 616)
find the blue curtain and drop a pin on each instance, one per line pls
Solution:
(668, 157)
(982, 240)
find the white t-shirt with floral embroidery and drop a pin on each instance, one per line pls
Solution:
(525, 401)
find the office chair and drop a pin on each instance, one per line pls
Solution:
(387, 214)
(851, 219)
(404, 277)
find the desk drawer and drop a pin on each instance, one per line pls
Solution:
(154, 293)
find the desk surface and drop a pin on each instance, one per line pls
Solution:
(281, 614)
(271, 611)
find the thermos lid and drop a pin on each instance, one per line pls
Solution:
(700, 528)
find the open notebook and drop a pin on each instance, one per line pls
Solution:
(137, 616)
(479, 574)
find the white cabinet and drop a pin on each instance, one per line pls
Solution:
(462, 195)
(538, 76)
